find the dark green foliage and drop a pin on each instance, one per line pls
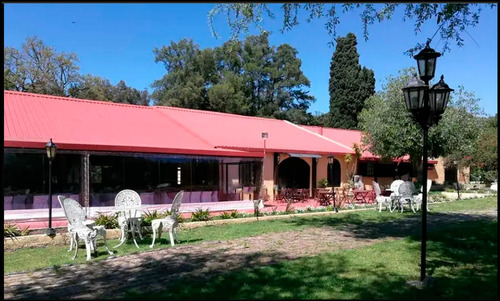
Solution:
(12, 230)
(38, 68)
(98, 88)
(225, 215)
(201, 215)
(109, 221)
(247, 77)
(390, 132)
(148, 216)
(349, 86)
(452, 19)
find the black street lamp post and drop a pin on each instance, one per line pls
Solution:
(330, 165)
(427, 106)
(50, 147)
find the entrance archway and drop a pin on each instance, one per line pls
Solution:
(293, 173)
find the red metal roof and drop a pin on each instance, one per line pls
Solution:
(76, 124)
(349, 137)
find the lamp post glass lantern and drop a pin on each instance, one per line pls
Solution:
(50, 148)
(427, 106)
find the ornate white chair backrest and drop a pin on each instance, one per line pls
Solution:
(395, 186)
(176, 203)
(73, 210)
(376, 187)
(406, 189)
(126, 199)
(429, 184)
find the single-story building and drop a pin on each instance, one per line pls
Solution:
(104, 147)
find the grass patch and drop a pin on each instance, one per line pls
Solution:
(367, 223)
(463, 263)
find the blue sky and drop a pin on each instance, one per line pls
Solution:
(116, 41)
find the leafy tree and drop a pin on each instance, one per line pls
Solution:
(389, 131)
(98, 88)
(124, 94)
(248, 77)
(183, 85)
(484, 158)
(350, 85)
(92, 87)
(38, 68)
(452, 19)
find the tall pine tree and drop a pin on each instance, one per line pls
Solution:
(350, 85)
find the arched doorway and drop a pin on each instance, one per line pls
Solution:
(334, 173)
(293, 173)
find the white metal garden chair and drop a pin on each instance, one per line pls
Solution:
(380, 199)
(81, 228)
(405, 195)
(127, 205)
(170, 222)
(418, 198)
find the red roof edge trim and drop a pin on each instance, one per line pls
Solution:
(66, 98)
(214, 113)
(80, 147)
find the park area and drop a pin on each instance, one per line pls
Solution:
(351, 254)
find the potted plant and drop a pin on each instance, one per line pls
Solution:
(323, 183)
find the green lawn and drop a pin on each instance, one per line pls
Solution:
(462, 257)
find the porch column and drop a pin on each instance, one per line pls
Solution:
(85, 175)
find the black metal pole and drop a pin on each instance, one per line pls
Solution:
(50, 231)
(424, 206)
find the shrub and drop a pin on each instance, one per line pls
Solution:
(109, 221)
(10, 230)
(289, 208)
(225, 215)
(201, 215)
(235, 214)
(148, 216)
(323, 183)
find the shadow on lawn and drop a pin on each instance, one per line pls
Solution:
(461, 256)
(466, 262)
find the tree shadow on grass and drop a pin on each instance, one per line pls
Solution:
(461, 256)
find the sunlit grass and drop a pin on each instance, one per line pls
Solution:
(379, 271)
(29, 259)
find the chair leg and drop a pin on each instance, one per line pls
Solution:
(102, 232)
(171, 234)
(72, 240)
(133, 228)
(76, 246)
(139, 229)
(123, 230)
(88, 247)
(154, 226)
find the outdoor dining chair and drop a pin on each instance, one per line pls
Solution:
(380, 199)
(81, 228)
(127, 205)
(170, 222)
(405, 195)
(418, 198)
